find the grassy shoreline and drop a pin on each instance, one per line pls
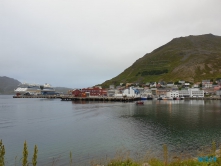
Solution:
(211, 157)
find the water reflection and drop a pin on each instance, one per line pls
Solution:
(91, 129)
(184, 126)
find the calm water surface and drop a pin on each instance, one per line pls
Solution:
(96, 130)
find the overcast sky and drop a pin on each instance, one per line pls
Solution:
(81, 43)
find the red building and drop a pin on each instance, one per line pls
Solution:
(86, 92)
(77, 93)
(95, 91)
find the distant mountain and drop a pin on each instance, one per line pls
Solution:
(191, 58)
(63, 89)
(7, 85)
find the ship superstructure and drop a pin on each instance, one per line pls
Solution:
(35, 89)
(26, 88)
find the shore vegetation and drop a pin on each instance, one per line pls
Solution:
(122, 158)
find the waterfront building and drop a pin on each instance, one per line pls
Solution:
(87, 92)
(218, 93)
(147, 92)
(162, 92)
(184, 93)
(172, 94)
(209, 91)
(112, 92)
(154, 91)
(140, 89)
(95, 91)
(78, 93)
(191, 92)
(129, 92)
(196, 92)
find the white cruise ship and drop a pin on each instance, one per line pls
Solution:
(26, 88)
(35, 89)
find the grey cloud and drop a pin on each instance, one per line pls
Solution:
(83, 43)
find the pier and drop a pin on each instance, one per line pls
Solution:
(92, 98)
(125, 99)
(72, 98)
(39, 96)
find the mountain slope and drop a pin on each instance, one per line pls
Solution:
(191, 58)
(64, 90)
(7, 85)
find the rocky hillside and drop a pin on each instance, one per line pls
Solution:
(7, 85)
(190, 58)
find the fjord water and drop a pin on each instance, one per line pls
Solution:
(97, 130)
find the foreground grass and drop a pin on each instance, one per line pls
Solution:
(156, 162)
(211, 158)
(208, 157)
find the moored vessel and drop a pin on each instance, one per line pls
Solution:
(35, 89)
(139, 102)
(27, 89)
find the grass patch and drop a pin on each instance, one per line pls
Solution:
(207, 157)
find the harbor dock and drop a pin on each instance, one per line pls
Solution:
(72, 98)
(125, 99)
(104, 98)
(39, 96)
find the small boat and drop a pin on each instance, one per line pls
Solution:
(139, 102)
(159, 98)
(167, 98)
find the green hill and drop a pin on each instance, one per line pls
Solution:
(191, 58)
(7, 85)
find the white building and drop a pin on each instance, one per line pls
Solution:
(218, 93)
(111, 87)
(112, 92)
(173, 94)
(181, 82)
(196, 92)
(196, 86)
(170, 84)
(191, 92)
(184, 93)
(130, 92)
(207, 84)
(153, 84)
(187, 85)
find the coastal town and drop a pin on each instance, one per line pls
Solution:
(161, 90)
(155, 90)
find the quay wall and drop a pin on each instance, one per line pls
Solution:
(72, 98)
(39, 96)
(125, 99)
